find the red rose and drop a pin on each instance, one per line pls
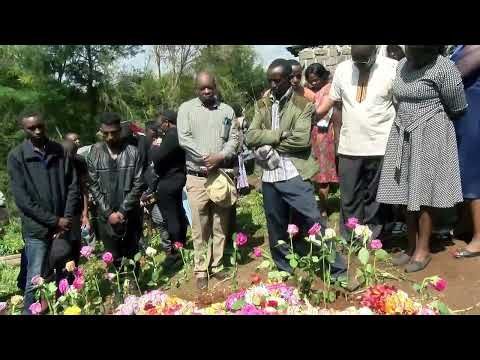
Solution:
(272, 303)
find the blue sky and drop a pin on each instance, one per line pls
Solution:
(266, 53)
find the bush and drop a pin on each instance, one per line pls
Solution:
(8, 280)
(11, 241)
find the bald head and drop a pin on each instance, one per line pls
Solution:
(74, 138)
(206, 88)
(363, 50)
(364, 56)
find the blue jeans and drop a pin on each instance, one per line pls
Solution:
(279, 199)
(36, 251)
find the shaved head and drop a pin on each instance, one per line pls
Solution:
(364, 56)
(205, 77)
(206, 88)
(363, 51)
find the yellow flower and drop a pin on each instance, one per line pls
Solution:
(16, 300)
(400, 304)
(72, 310)
(70, 266)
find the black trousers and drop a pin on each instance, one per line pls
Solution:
(278, 200)
(122, 240)
(170, 203)
(359, 178)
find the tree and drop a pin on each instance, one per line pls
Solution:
(178, 59)
(240, 78)
(89, 66)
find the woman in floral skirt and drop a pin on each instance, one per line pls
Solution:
(323, 139)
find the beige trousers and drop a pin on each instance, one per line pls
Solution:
(209, 221)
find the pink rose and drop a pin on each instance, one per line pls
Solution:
(63, 286)
(315, 229)
(107, 258)
(257, 252)
(37, 280)
(86, 252)
(241, 239)
(78, 283)
(79, 272)
(376, 244)
(292, 229)
(427, 311)
(178, 245)
(440, 284)
(351, 223)
(35, 308)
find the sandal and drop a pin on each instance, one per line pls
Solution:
(414, 266)
(464, 253)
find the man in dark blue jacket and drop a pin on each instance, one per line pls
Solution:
(45, 189)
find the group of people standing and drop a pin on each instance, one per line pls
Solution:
(407, 139)
(395, 132)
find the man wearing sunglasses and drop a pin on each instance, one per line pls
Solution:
(363, 85)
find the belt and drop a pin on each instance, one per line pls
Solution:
(197, 173)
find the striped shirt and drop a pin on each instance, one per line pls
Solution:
(203, 131)
(285, 170)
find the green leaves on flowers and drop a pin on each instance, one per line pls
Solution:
(239, 304)
(381, 254)
(293, 263)
(363, 256)
(265, 264)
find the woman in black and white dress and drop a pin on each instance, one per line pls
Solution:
(421, 169)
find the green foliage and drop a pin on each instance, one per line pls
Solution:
(251, 215)
(240, 79)
(8, 280)
(11, 241)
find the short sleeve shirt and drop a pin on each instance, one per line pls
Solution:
(366, 125)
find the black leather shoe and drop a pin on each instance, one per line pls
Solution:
(221, 275)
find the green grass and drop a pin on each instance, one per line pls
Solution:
(11, 241)
(251, 215)
(8, 280)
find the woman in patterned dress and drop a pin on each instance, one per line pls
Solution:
(421, 168)
(323, 139)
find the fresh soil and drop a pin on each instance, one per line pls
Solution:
(461, 295)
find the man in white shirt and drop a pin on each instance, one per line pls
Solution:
(363, 85)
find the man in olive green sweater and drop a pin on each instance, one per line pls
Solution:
(283, 121)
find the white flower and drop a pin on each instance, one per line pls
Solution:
(365, 311)
(363, 231)
(329, 234)
(151, 252)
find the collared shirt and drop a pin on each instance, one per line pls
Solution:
(366, 125)
(203, 131)
(42, 155)
(285, 170)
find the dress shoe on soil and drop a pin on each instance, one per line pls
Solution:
(220, 275)
(202, 283)
(401, 259)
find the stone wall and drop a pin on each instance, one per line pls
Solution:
(327, 55)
